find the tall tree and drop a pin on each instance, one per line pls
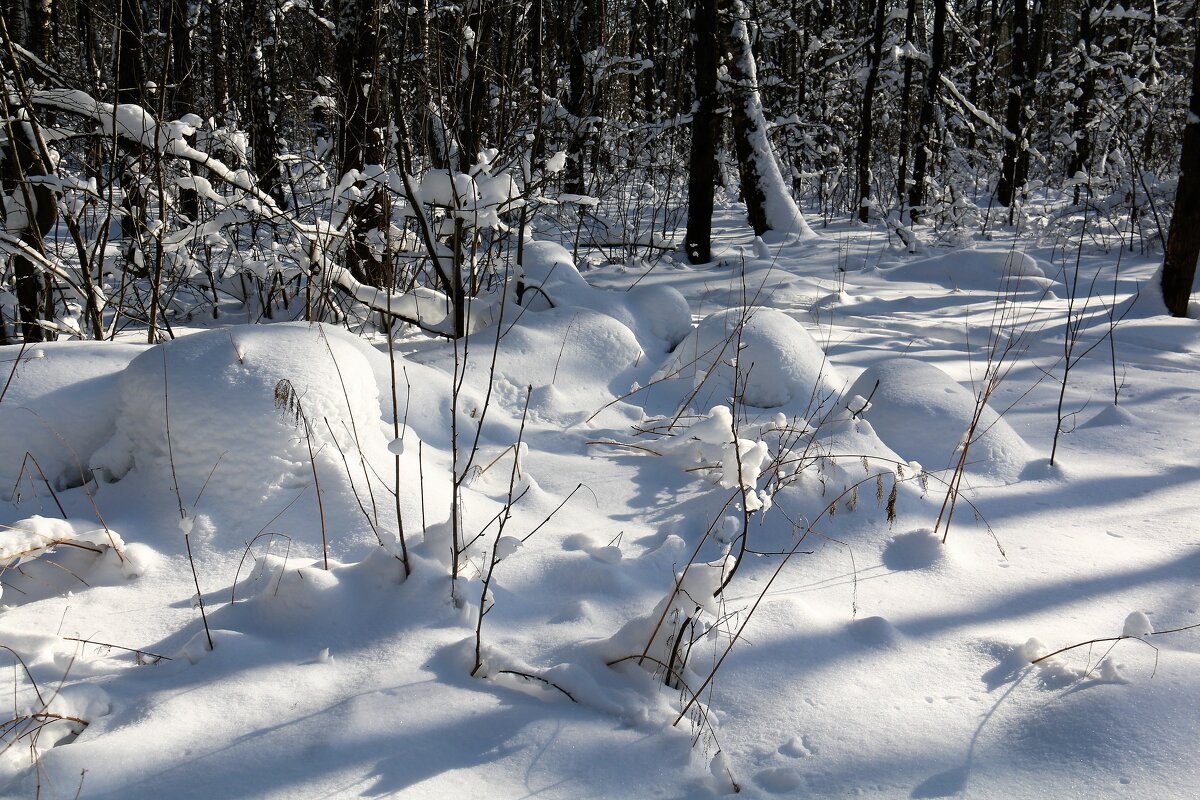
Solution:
(702, 173)
(925, 132)
(357, 56)
(261, 104)
(1085, 94)
(867, 115)
(1022, 88)
(31, 213)
(769, 204)
(910, 53)
(585, 33)
(1183, 240)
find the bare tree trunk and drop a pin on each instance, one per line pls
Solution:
(584, 34)
(220, 79)
(705, 127)
(260, 69)
(131, 84)
(181, 91)
(36, 203)
(357, 56)
(1081, 120)
(867, 118)
(1022, 85)
(925, 132)
(471, 87)
(1183, 241)
(910, 22)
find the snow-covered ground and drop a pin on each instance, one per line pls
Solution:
(849, 652)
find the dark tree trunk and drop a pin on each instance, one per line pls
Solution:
(584, 34)
(925, 133)
(357, 57)
(1081, 119)
(910, 22)
(40, 14)
(867, 118)
(220, 78)
(131, 84)
(260, 69)
(472, 88)
(1183, 240)
(702, 175)
(20, 164)
(181, 91)
(1022, 85)
(131, 75)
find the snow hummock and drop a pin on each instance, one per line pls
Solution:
(205, 416)
(771, 357)
(924, 415)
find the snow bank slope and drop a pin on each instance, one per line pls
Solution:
(61, 404)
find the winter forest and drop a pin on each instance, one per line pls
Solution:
(629, 398)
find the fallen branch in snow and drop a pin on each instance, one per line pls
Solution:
(138, 653)
(1140, 637)
(531, 677)
(611, 443)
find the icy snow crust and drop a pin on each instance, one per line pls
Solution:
(879, 661)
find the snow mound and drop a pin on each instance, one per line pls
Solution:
(918, 549)
(1137, 624)
(243, 406)
(61, 404)
(659, 316)
(923, 414)
(976, 270)
(875, 632)
(778, 363)
(576, 360)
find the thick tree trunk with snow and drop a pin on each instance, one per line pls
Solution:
(181, 90)
(769, 204)
(702, 173)
(131, 85)
(905, 145)
(259, 65)
(1183, 241)
(1081, 120)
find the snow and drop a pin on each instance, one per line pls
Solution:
(923, 414)
(770, 357)
(793, 443)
